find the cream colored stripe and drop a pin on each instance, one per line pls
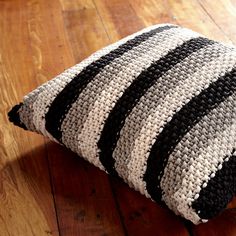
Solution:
(187, 87)
(147, 104)
(209, 161)
(192, 145)
(92, 128)
(53, 87)
(26, 112)
(73, 122)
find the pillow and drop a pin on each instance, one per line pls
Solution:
(157, 108)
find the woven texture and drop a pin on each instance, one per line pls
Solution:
(157, 109)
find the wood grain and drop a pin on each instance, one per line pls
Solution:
(83, 196)
(26, 200)
(111, 12)
(46, 189)
(223, 14)
(85, 31)
(85, 203)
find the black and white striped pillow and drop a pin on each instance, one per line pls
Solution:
(157, 109)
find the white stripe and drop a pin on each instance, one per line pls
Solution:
(209, 161)
(192, 145)
(146, 105)
(72, 123)
(187, 87)
(53, 87)
(26, 111)
(92, 128)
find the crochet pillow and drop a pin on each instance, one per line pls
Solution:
(157, 108)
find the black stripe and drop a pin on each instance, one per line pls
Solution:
(134, 92)
(181, 123)
(64, 100)
(14, 116)
(219, 191)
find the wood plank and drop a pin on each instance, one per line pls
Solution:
(50, 47)
(224, 224)
(195, 17)
(191, 15)
(153, 12)
(140, 215)
(223, 14)
(39, 41)
(68, 5)
(26, 202)
(85, 204)
(85, 32)
(119, 18)
(84, 200)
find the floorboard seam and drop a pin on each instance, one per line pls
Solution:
(103, 24)
(52, 190)
(118, 208)
(218, 26)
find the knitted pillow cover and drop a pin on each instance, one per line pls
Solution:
(157, 108)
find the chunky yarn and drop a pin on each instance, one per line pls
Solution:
(157, 108)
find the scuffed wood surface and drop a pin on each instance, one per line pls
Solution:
(47, 190)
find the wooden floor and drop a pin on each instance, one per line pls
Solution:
(47, 190)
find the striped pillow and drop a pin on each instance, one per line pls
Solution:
(157, 108)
